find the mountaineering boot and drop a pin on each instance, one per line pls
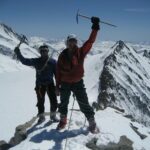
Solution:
(62, 122)
(92, 126)
(53, 117)
(41, 118)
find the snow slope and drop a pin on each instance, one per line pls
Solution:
(17, 100)
(45, 137)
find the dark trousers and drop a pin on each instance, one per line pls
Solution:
(80, 92)
(41, 92)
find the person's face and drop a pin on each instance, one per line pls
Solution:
(44, 53)
(71, 44)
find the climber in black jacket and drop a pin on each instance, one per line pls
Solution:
(45, 71)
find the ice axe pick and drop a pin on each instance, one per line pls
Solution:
(23, 39)
(86, 17)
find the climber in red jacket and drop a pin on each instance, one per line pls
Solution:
(69, 74)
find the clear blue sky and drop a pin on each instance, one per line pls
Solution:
(56, 18)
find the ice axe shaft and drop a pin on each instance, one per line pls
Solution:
(22, 40)
(109, 24)
(19, 43)
(83, 16)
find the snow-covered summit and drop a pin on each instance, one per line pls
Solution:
(8, 33)
(116, 78)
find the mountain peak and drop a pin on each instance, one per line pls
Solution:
(8, 33)
(124, 82)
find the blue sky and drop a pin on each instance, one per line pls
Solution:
(56, 18)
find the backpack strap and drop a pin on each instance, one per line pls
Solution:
(44, 66)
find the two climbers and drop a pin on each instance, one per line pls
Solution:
(69, 78)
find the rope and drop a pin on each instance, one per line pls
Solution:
(69, 122)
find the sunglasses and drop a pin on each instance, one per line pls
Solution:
(72, 40)
(44, 51)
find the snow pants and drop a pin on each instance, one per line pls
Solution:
(79, 91)
(41, 91)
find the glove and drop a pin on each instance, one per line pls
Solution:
(95, 21)
(16, 50)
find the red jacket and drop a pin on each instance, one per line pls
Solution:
(72, 71)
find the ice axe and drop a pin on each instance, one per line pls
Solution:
(23, 39)
(86, 17)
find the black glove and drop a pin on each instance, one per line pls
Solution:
(95, 21)
(16, 50)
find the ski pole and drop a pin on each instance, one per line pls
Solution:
(70, 121)
(84, 122)
(86, 17)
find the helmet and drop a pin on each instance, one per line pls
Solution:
(72, 36)
(43, 47)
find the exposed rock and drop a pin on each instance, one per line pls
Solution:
(96, 106)
(142, 136)
(118, 109)
(21, 132)
(130, 117)
(146, 53)
(4, 145)
(18, 137)
(6, 51)
(124, 84)
(123, 144)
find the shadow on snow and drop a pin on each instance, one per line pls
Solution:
(54, 135)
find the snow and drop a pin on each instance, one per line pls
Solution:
(21, 102)
(18, 100)
(7, 34)
(47, 137)
(93, 68)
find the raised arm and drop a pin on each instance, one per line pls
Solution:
(25, 61)
(88, 44)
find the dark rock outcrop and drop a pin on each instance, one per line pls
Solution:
(142, 136)
(123, 144)
(123, 84)
(4, 145)
(19, 136)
